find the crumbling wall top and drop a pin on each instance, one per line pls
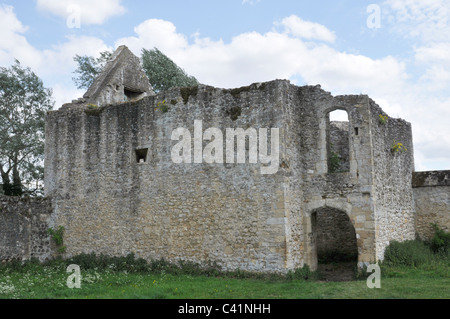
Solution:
(431, 178)
(121, 80)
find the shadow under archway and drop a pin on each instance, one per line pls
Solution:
(336, 246)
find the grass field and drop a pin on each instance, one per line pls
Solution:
(43, 282)
(411, 270)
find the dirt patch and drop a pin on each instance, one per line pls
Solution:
(337, 271)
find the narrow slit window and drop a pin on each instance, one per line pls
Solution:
(141, 155)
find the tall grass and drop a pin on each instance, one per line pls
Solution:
(419, 252)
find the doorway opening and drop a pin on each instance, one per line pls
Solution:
(336, 246)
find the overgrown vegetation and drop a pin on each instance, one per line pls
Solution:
(335, 162)
(163, 73)
(398, 147)
(234, 112)
(89, 68)
(418, 252)
(440, 243)
(162, 106)
(408, 253)
(382, 119)
(411, 269)
(57, 236)
(237, 91)
(32, 280)
(186, 92)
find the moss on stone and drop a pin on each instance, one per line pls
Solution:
(186, 92)
(93, 110)
(255, 86)
(234, 112)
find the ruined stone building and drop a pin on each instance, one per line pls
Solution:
(115, 181)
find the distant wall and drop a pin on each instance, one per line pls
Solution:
(432, 196)
(24, 224)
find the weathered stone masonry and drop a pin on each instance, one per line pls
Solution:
(228, 213)
(432, 198)
(113, 185)
(24, 224)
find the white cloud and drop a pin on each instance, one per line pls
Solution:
(64, 94)
(155, 33)
(293, 49)
(88, 11)
(427, 24)
(59, 59)
(254, 57)
(434, 53)
(307, 30)
(13, 43)
(297, 50)
(55, 65)
(427, 20)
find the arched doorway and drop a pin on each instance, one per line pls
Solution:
(335, 244)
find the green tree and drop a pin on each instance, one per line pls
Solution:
(88, 68)
(163, 73)
(24, 102)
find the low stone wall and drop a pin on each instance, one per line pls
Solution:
(24, 224)
(432, 197)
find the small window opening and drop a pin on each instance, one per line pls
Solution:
(356, 131)
(141, 155)
(130, 95)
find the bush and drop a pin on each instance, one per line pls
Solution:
(440, 242)
(163, 266)
(407, 253)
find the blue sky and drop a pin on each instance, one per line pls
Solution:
(396, 51)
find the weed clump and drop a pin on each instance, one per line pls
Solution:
(186, 92)
(418, 252)
(440, 243)
(407, 253)
(303, 273)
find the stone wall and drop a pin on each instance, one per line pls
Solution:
(109, 202)
(350, 191)
(432, 198)
(116, 189)
(392, 195)
(24, 224)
